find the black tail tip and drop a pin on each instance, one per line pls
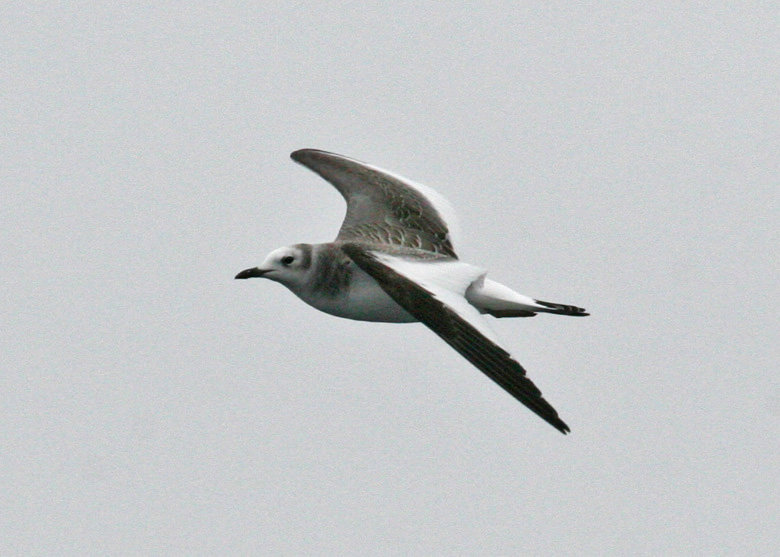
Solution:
(563, 309)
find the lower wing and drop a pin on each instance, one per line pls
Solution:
(433, 292)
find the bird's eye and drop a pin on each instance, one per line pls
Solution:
(287, 260)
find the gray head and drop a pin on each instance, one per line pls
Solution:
(289, 265)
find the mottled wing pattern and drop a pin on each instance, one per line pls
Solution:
(453, 325)
(382, 208)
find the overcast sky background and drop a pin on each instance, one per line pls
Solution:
(621, 158)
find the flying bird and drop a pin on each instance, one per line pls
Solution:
(394, 261)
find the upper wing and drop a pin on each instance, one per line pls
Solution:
(382, 207)
(433, 293)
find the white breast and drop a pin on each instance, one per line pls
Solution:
(364, 300)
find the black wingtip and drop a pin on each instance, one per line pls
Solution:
(550, 416)
(301, 156)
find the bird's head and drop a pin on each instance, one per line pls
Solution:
(289, 265)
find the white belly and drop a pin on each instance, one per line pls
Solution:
(364, 300)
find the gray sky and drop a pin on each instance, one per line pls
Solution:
(620, 158)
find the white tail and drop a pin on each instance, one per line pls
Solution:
(491, 297)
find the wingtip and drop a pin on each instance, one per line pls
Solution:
(556, 422)
(302, 155)
(298, 155)
(295, 155)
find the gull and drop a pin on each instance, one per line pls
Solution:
(393, 261)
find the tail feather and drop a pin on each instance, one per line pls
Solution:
(498, 300)
(562, 309)
(508, 312)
